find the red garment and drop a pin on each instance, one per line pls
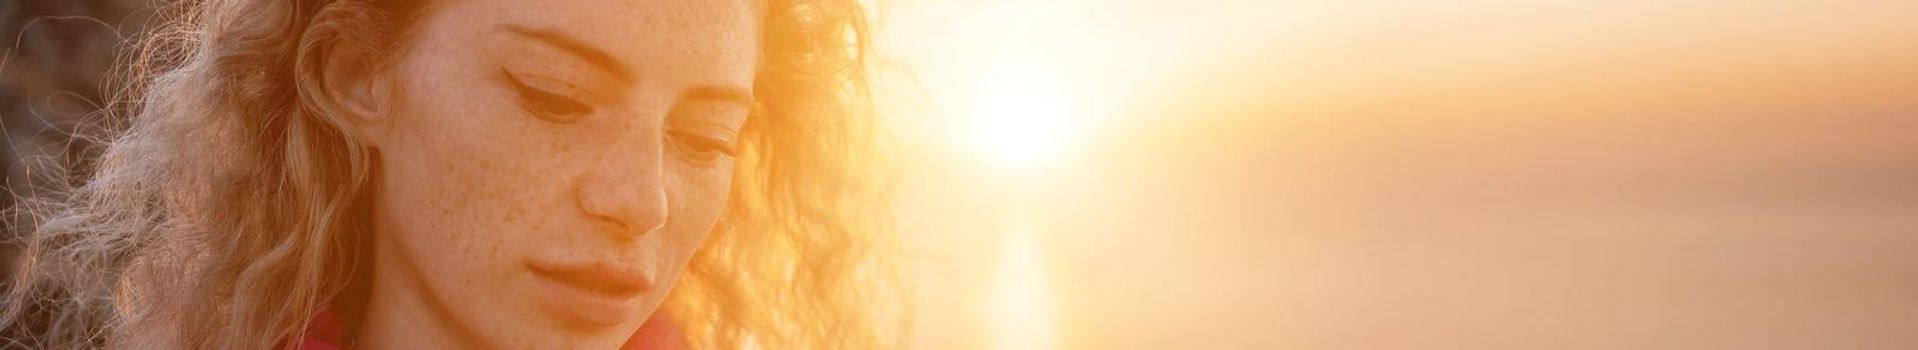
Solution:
(322, 334)
(658, 333)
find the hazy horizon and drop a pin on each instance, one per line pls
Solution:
(1410, 174)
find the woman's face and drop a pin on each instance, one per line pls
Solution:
(549, 167)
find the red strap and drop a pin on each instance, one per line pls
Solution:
(658, 333)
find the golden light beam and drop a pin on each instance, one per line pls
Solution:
(1021, 308)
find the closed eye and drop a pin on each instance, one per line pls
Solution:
(703, 147)
(548, 104)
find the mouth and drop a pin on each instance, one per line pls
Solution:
(595, 294)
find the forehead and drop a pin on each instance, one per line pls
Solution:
(659, 39)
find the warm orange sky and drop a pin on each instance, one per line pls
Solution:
(1140, 174)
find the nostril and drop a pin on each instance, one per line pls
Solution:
(611, 223)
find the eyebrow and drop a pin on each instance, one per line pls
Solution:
(720, 94)
(576, 47)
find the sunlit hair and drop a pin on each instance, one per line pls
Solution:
(229, 206)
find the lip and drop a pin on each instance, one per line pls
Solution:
(597, 294)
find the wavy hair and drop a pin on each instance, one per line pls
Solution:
(229, 205)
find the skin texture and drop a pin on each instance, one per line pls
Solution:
(506, 143)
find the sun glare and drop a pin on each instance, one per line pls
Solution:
(1021, 304)
(1021, 118)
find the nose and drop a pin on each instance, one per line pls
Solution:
(627, 190)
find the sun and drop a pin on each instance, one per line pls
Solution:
(1021, 118)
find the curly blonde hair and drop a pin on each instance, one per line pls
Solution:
(229, 206)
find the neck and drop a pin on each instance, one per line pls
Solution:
(400, 314)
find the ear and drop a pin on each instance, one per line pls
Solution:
(354, 83)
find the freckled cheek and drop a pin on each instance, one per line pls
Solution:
(476, 177)
(491, 203)
(701, 200)
(462, 232)
(514, 205)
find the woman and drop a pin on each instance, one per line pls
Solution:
(507, 174)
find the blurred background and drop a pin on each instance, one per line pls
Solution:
(54, 57)
(1407, 174)
(1395, 174)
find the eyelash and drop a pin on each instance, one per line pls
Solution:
(705, 149)
(559, 108)
(549, 105)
